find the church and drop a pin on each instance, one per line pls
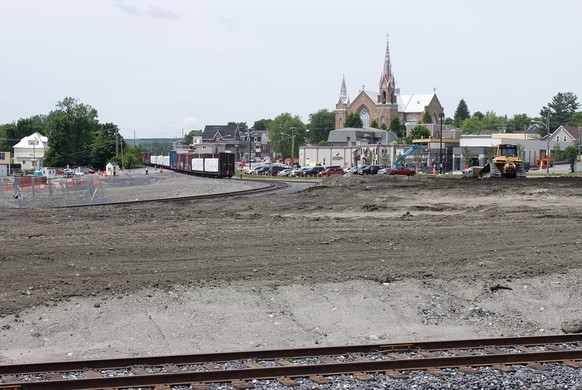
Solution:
(381, 106)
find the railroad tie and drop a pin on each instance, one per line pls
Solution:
(170, 368)
(362, 376)
(9, 379)
(240, 384)
(199, 386)
(572, 363)
(538, 366)
(426, 354)
(502, 368)
(284, 362)
(327, 360)
(458, 352)
(92, 374)
(163, 387)
(523, 348)
(320, 380)
(253, 364)
(436, 372)
(395, 374)
(286, 381)
(469, 370)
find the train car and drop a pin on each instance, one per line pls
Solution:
(187, 161)
(173, 159)
(215, 165)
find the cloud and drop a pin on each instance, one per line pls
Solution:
(127, 8)
(154, 11)
(161, 13)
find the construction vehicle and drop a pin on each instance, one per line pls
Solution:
(505, 163)
(413, 149)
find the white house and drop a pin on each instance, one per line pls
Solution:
(111, 169)
(29, 152)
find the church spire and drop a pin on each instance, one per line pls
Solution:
(343, 95)
(387, 71)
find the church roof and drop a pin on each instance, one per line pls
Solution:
(414, 103)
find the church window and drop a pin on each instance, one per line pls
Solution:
(365, 117)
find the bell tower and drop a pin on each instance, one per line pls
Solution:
(387, 85)
(341, 107)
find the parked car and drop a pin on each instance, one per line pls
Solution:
(331, 171)
(252, 171)
(274, 170)
(285, 172)
(370, 170)
(298, 172)
(313, 171)
(261, 170)
(402, 171)
(360, 169)
(351, 170)
(384, 171)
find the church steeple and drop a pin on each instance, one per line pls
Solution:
(387, 84)
(343, 90)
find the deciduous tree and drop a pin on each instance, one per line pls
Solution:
(320, 124)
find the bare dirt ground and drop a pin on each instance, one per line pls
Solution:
(352, 260)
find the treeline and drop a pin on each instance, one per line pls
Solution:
(75, 137)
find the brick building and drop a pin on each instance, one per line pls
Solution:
(387, 103)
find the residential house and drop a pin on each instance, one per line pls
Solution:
(30, 151)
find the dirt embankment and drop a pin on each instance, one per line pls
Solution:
(387, 231)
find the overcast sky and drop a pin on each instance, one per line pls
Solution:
(157, 68)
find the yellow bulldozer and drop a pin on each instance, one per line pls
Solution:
(505, 163)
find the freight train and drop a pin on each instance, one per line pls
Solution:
(219, 165)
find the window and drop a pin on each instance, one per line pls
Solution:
(565, 139)
(2, 156)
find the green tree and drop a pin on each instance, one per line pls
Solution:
(576, 119)
(398, 127)
(13, 133)
(570, 154)
(374, 124)
(320, 124)
(467, 156)
(472, 125)
(262, 124)
(242, 126)
(426, 117)
(354, 120)
(478, 114)
(103, 145)
(384, 158)
(72, 128)
(560, 109)
(281, 131)
(461, 113)
(493, 122)
(188, 138)
(420, 131)
(519, 122)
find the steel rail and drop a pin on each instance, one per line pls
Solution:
(30, 368)
(326, 369)
(269, 187)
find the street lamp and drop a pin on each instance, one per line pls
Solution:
(547, 126)
(441, 117)
(292, 144)
(33, 143)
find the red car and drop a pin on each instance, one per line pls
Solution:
(331, 171)
(402, 171)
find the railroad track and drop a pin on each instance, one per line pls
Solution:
(288, 366)
(269, 187)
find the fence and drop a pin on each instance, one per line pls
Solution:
(40, 192)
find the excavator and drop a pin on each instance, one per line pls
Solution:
(505, 163)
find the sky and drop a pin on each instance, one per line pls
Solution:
(162, 68)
